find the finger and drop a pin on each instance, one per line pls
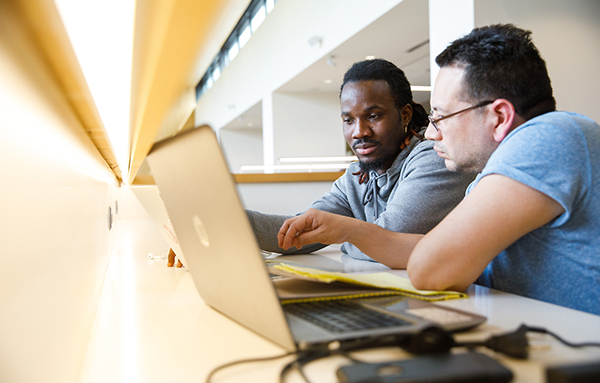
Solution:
(288, 238)
(281, 234)
(171, 258)
(306, 238)
(296, 226)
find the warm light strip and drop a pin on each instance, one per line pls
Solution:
(420, 88)
(318, 159)
(293, 167)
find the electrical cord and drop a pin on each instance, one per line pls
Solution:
(514, 344)
(563, 341)
(252, 360)
(429, 340)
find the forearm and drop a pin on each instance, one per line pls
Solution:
(389, 248)
(457, 251)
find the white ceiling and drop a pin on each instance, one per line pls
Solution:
(392, 37)
(400, 36)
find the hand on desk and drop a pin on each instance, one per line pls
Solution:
(314, 226)
(171, 259)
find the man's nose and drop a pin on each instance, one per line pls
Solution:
(432, 133)
(362, 128)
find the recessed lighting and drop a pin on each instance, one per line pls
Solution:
(369, 57)
(330, 61)
(328, 81)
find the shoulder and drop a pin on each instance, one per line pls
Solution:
(550, 136)
(556, 125)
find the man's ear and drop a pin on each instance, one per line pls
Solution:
(406, 114)
(507, 118)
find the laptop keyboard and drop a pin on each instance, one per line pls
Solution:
(343, 315)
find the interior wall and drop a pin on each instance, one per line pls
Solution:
(287, 198)
(241, 147)
(567, 34)
(55, 198)
(307, 124)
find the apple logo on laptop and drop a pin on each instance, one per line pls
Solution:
(200, 231)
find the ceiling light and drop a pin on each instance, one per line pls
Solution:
(330, 61)
(306, 167)
(420, 88)
(315, 40)
(319, 159)
(328, 81)
(369, 57)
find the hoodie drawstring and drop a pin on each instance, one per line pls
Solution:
(371, 194)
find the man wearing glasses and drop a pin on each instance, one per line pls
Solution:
(529, 224)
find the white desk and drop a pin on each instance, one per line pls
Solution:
(153, 327)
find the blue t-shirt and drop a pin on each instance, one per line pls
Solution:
(558, 154)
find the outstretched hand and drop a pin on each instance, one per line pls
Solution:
(314, 226)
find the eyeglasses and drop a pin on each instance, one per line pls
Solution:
(435, 121)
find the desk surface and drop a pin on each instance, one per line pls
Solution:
(152, 326)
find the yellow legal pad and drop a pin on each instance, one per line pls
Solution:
(374, 284)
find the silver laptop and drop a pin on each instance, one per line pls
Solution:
(231, 276)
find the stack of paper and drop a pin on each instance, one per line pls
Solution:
(309, 284)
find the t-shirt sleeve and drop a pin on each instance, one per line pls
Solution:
(550, 156)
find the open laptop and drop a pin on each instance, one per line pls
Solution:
(230, 274)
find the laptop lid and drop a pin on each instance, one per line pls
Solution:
(220, 249)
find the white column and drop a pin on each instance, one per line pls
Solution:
(268, 132)
(448, 20)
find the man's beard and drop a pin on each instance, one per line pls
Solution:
(374, 165)
(378, 163)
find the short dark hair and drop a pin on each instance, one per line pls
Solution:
(501, 61)
(380, 69)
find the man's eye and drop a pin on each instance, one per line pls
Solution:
(347, 120)
(374, 116)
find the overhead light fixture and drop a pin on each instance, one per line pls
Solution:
(318, 159)
(420, 88)
(330, 61)
(328, 81)
(315, 40)
(307, 167)
(369, 57)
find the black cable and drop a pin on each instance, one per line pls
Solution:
(563, 341)
(514, 344)
(303, 359)
(429, 340)
(349, 357)
(252, 360)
